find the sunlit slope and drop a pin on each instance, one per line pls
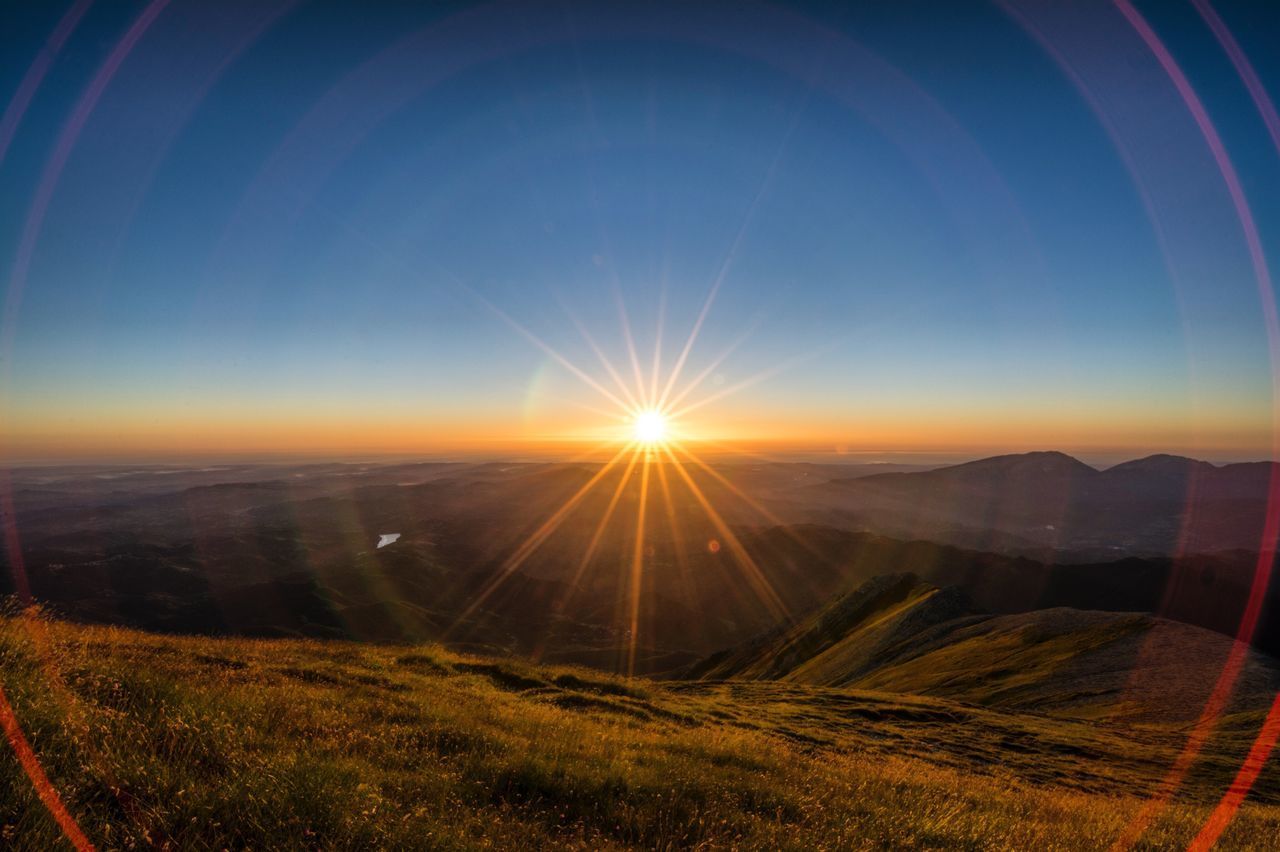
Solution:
(843, 640)
(899, 634)
(234, 743)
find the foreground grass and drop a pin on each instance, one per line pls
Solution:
(206, 743)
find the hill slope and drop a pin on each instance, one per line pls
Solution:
(899, 634)
(845, 639)
(233, 743)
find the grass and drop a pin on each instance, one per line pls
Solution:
(994, 667)
(229, 744)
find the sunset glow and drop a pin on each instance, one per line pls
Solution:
(650, 427)
(640, 425)
(852, 314)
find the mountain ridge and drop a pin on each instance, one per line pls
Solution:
(899, 634)
(1048, 502)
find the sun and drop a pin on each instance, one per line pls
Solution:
(650, 427)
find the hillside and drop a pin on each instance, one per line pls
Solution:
(1205, 591)
(232, 743)
(844, 639)
(897, 633)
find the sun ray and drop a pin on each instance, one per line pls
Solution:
(764, 511)
(631, 345)
(749, 381)
(732, 253)
(598, 534)
(688, 344)
(618, 416)
(593, 453)
(637, 567)
(656, 367)
(535, 540)
(604, 359)
(562, 602)
(755, 577)
(545, 347)
(677, 541)
(711, 368)
(735, 490)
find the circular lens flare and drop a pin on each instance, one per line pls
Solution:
(650, 427)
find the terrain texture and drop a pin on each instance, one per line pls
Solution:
(237, 743)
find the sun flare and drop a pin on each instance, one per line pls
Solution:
(646, 427)
(650, 427)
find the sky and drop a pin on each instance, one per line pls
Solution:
(260, 227)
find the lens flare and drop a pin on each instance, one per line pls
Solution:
(650, 430)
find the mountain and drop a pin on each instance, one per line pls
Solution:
(899, 634)
(1048, 504)
(960, 706)
(280, 550)
(200, 743)
(1162, 475)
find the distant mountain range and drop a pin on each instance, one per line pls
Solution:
(1048, 504)
(292, 550)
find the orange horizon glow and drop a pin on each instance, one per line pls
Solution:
(655, 404)
(970, 433)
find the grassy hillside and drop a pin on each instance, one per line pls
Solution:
(896, 633)
(844, 639)
(231, 743)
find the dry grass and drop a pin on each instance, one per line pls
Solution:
(212, 744)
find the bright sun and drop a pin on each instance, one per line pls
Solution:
(650, 427)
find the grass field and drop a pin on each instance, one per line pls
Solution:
(229, 743)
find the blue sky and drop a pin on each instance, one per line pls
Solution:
(306, 214)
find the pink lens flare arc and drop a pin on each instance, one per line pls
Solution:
(1264, 744)
(1263, 747)
(1257, 91)
(1217, 701)
(1039, 22)
(35, 773)
(48, 182)
(36, 72)
(52, 172)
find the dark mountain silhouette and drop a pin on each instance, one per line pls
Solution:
(1047, 504)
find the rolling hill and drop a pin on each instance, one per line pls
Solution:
(897, 633)
(192, 742)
